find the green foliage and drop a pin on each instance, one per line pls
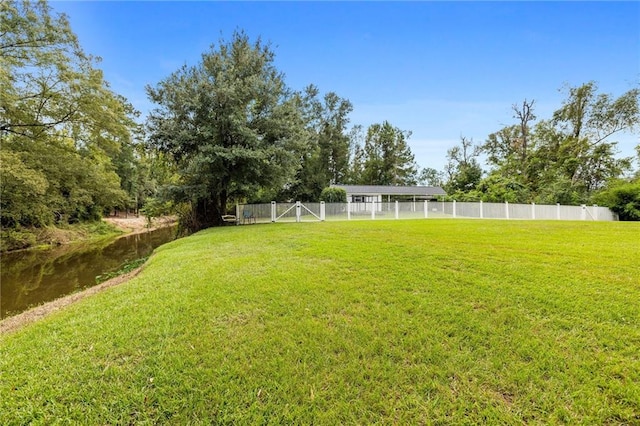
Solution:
(230, 127)
(16, 239)
(325, 160)
(333, 195)
(61, 127)
(623, 198)
(497, 188)
(385, 159)
(565, 159)
(389, 322)
(462, 169)
(126, 267)
(430, 177)
(155, 207)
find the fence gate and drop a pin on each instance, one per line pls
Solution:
(298, 206)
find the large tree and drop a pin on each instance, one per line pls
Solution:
(463, 171)
(564, 159)
(386, 158)
(574, 150)
(229, 124)
(60, 124)
(325, 161)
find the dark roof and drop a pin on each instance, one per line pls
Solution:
(392, 190)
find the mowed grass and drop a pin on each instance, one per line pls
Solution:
(391, 322)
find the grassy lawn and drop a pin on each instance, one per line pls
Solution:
(393, 322)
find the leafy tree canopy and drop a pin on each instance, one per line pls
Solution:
(229, 124)
(61, 126)
(386, 158)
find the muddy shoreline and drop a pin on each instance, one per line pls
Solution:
(130, 226)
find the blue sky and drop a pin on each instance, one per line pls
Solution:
(438, 69)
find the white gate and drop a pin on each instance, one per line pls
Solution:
(300, 210)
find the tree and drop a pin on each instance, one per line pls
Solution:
(497, 188)
(386, 158)
(230, 126)
(524, 115)
(569, 157)
(462, 170)
(325, 160)
(430, 177)
(574, 149)
(60, 124)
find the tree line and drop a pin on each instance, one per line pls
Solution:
(568, 158)
(228, 129)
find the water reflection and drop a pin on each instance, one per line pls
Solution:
(32, 277)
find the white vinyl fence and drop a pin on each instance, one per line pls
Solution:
(304, 212)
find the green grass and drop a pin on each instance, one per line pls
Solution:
(392, 322)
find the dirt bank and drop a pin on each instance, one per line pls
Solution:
(136, 225)
(130, 225)
(16, 322)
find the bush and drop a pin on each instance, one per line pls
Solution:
(623, 198)
(15, 239)
(333, 195)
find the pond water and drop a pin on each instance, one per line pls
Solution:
(32, 277)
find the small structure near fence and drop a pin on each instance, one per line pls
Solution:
(299, 212)
(378, 193)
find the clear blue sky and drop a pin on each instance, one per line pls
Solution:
(439, 69)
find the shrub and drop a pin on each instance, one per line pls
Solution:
(333, 195)
(623, 198)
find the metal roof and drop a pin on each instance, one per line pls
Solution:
(391, 190)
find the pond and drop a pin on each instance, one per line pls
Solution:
(32, 277)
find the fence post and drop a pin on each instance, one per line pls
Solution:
(298, 211)
(558, 211)
(481, 211)
(454, 209)
(237, 213)
(348, 210)
(322, 211)
(506, 209)
(273, 211)
(533, 211)
(397, 212)
(426, 209)
(583, 212)
(373, 210)
(595, 212)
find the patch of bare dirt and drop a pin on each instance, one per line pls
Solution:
(18, 321)
(137, 225)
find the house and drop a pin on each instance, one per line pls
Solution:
(382, 193)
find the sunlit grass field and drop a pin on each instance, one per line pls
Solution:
(392, 322)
